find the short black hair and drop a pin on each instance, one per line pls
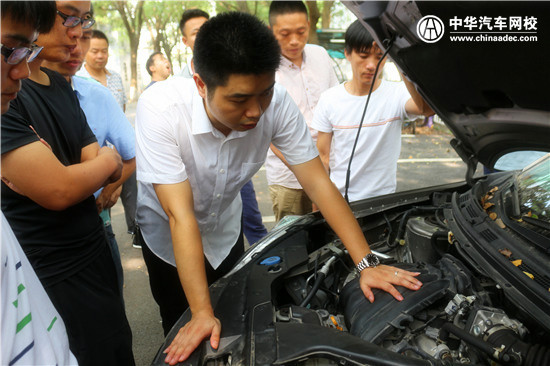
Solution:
(96, 33)
(190, 14)
(234, 43)
(285, 7)
(357, 38)
(151, 61)
(38, 14)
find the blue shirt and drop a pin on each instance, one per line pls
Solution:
(105, 117)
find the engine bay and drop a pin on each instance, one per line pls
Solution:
(460, 315)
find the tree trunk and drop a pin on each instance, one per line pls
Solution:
(325, 18)
(133, 27)
(134, 44)
(242, 6)
(314, 16)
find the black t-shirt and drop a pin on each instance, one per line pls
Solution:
(57, 243)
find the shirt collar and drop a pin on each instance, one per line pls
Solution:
(75, 85)
(201, 123)
(199, 119)
(287, 64)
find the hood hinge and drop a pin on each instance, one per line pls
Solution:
(468, 157)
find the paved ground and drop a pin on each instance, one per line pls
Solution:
(425, 160)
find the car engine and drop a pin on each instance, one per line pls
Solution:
(460, 315)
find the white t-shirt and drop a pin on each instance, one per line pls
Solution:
(374, 165)
(305, 85)
(176, 141)
(33, 332)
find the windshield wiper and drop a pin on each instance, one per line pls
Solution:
(536, 222)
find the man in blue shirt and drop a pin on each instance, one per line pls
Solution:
(111, 128)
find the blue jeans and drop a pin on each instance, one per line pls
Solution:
(253, 227)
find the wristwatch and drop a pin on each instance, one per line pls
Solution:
(369, 261)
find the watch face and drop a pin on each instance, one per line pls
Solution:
(372, 260)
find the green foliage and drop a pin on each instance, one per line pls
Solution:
(161, 19)
(258, 8)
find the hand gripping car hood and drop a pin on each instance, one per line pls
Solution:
(493, 95)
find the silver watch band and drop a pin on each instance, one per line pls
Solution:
(369, 261)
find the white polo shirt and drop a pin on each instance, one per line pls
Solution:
(374, 165)
(305, 85)
(176, 141)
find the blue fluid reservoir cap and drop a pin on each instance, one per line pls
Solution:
(271, 261)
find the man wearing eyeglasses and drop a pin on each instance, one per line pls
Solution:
(25, 339)
(51, 166)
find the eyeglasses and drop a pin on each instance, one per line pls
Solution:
(72, 21)
(13, 56)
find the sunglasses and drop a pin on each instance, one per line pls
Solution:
(13, 56)
(72, 21)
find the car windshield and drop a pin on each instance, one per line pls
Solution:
(533, 185)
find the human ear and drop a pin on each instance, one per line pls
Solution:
(201, 86)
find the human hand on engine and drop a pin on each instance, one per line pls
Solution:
(384, 278)
(201, 325)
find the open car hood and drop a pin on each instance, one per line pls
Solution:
(493, 95)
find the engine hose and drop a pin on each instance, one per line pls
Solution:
(520, 353)
(449, 328)
(403, 223)
(320, 278)
(321, 275)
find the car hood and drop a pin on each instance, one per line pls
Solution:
(493, 95)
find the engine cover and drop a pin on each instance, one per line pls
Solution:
(372, 322)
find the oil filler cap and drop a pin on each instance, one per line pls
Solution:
(271, 261)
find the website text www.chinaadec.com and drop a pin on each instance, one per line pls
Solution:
(493, 38)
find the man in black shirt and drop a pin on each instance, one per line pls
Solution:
(47, 197)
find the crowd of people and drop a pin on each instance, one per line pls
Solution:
(250, 95)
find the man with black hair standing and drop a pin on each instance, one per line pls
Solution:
(198, 141)
(158, 67)
(111, 128)
(51, 166)
(253, 226)
(338, 116)
(32, 330)
(190, 23)
(305, 71)
(96, 68)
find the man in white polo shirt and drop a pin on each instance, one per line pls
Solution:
(305, 71)
(338, 116)
(198, 142)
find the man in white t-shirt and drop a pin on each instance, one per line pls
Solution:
(198, 142)
(32, 331)
(338, 116)
(305, 71)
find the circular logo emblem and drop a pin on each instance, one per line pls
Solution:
(430, 29)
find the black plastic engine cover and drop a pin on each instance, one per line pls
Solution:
(372, 322)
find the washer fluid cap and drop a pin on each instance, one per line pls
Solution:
(271, 261)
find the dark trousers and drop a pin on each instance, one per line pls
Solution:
(253, 227)
(90, 305)
(113, 245)
(165, 283)
(128, 196)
